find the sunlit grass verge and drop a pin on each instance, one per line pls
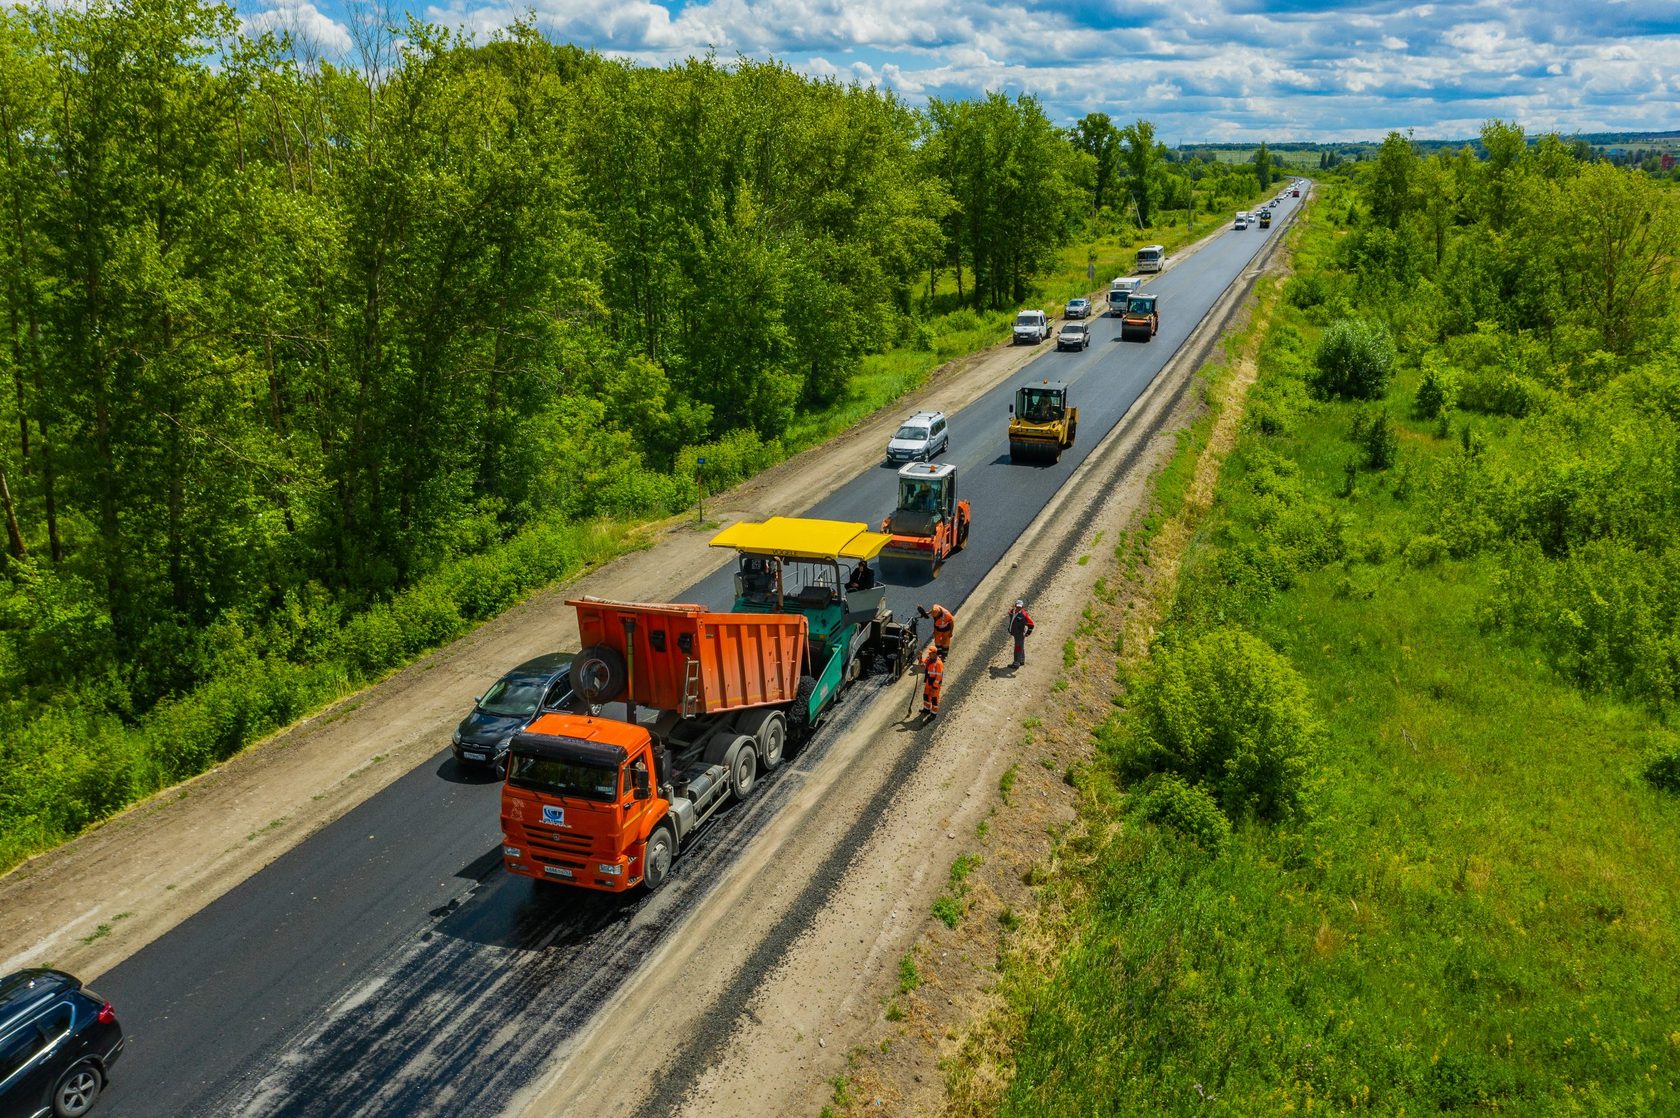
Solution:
(1478, 906)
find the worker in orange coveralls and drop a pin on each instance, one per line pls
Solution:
(944, 626)
(933, 673)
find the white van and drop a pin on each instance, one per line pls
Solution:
(1031, 327)
(1151, 258)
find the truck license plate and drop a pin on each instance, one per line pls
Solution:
(554, 816)
(557, 871)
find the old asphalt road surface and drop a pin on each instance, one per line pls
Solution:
(387, 966)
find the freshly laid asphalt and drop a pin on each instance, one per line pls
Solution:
(388, 966)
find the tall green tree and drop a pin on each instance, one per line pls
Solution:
(1143, 160)
(1096, 136)
(1392, 176)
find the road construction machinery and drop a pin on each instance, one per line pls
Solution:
(1041, 424)
(681, 707)
(1142, 318)
(930, 523)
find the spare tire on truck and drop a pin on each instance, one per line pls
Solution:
(598, 674)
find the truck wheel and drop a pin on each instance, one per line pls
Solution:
(657, 858)
(743, 773)
(769, 730)
(598, 674)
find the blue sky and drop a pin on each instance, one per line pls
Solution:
(1244, 71)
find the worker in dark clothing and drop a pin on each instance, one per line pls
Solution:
(862, 577)
(1020, 627)
(944, 626)
(933, 673)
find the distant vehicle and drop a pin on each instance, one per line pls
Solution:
(511, 704)
(920, 437)
(58, 1041)
(1241, 222)
(1142, 318)
(1078, 308)
(1151, 258)
(1295, 192)
(1265, 219)
(1074, 335)
(1031, 327)
(1120, 291)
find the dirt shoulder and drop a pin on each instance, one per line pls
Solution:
(94, 901)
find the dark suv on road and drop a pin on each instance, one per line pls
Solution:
(57, 1044)
(509, 706)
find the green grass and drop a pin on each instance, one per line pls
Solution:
(1481, 909)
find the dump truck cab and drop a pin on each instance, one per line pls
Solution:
(1041, 422)
(931, 522)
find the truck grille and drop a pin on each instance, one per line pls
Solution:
(557, 847)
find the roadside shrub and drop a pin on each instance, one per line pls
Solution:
(1305, 291)
(1355, 360)
(1662, 767)
(1227, 712)
(1502, 392)
(1438, 392)
(1266, 418)
(1425, 550)
(1168, 801)
(1375, 434)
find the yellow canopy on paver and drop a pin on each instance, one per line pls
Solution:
(792, 538)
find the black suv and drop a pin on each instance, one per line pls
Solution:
(57, 1044)
(509, 706)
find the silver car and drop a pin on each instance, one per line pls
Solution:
(919, 438)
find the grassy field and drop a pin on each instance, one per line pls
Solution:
(1480, 907)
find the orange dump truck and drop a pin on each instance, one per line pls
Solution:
(605, 803)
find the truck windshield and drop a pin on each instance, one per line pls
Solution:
(564, 778)
(515, 697)
(1026, 320)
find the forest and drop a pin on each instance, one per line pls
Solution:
(309, 366)
(1388, 819)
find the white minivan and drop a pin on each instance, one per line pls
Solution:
(1031, 327)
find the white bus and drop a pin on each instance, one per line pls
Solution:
(1151, 258)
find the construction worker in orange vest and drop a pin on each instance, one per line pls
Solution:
(944, 626)
(933, 671)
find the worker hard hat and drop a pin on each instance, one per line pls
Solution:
(1019, 604)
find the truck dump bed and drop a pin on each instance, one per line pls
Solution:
(687, 659)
